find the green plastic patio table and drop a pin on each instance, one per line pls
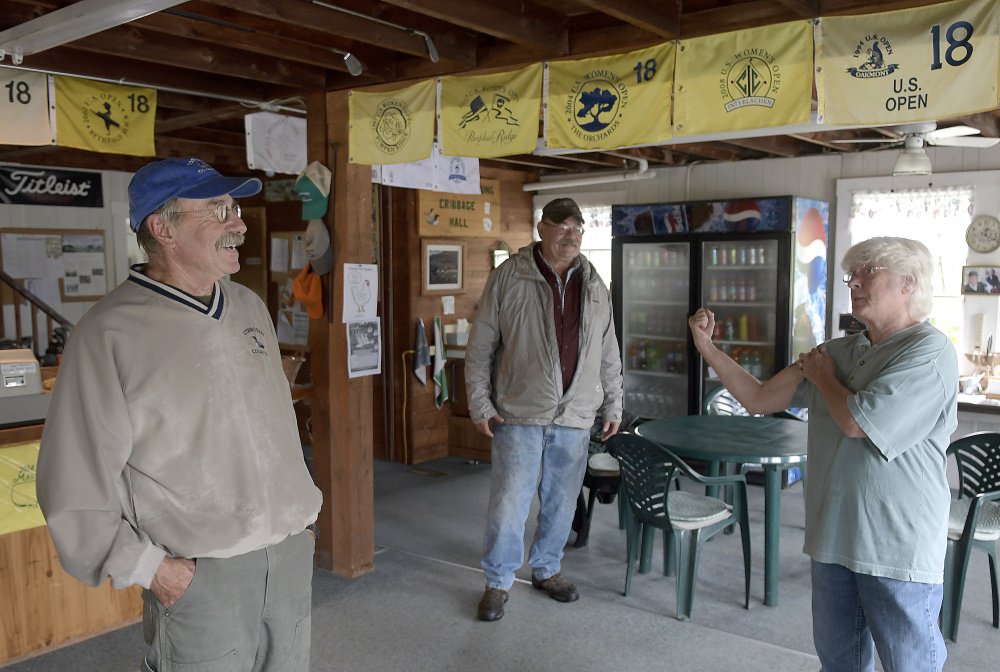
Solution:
(775, 443)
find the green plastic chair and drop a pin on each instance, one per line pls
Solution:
(687, 519)
(973, 522)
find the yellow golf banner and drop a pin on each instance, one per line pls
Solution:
(24, 108)
(491, 115)
(610, 102)
(908, 65)
(756, 78)
(392, 126)
(103, 117)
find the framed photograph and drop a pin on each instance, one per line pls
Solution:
(980, 280)
(442, 267)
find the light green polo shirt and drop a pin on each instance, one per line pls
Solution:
(879, 505)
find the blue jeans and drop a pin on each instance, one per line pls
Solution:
(519, 452)
(854, 614)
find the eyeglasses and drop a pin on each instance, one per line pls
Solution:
(864, 273)
(566, 228)
(221, 211)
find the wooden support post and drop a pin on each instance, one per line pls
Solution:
(342, 406)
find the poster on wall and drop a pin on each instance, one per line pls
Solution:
(364, 348)
(30, 185)
(360, 292)
(83, 266)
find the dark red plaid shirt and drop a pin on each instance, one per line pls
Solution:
(566, 300)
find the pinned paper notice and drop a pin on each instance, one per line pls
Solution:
(448, 305)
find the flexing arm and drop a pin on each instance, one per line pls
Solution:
(818, 366)
(758, 398)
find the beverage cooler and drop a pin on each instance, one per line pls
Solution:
(762, 274)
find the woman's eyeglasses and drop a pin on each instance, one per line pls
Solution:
(865, 272)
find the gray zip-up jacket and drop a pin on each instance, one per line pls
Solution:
(512, 366)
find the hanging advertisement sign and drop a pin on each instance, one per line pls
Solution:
(757, 78)
(24, 108)
(610, 102)
(392, 126)
(29, 185)
(909, 65)
(491, 115)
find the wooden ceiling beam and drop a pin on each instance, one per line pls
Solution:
(201, 118)
(708, 150)
(751, 14)
(661, 18)
(522, 22)
(775, 145)
(807, 9)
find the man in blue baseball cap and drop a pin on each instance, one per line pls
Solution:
(170, 456)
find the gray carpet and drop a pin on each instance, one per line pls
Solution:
(416, 610)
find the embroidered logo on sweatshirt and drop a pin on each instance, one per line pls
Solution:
(257, 347)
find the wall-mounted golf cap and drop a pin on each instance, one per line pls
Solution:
(157, 183)
(316, 246)
(313, 187)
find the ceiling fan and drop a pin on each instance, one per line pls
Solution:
(913, 160)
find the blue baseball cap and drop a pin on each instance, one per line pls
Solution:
(157, 183)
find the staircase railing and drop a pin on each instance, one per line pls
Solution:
(36, 304)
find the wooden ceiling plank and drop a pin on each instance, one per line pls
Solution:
(315, 17)
(775, 145)
(200, 118)
(523, 22)
(807, 9)
(660, 18)
(708, 150)
(723, 19)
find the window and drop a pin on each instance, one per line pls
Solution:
(931, 216)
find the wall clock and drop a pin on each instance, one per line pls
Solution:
(983, 235)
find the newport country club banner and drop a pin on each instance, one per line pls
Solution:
(611, 101)
(908, 65)
(757, 78)
(103, 117)
(29, 185)
(393, 126)
(491, 115)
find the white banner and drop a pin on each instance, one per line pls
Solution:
(276, 142)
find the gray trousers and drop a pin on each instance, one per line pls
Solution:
(250, 613)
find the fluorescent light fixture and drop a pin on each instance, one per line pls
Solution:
(432, 51)
(73, 22)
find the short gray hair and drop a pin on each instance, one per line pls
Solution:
(147, 241)
(909, 258)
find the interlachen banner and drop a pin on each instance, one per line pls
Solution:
(491, 115)
(610, 102)
(756, 78)
(24, 108)
(908, 65)
(392, 126)
(103, 117)
(32, 185)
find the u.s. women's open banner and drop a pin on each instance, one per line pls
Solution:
(102, 117)
(755, 78)
(392, 126)
(908, 65)
(491, 115)
(24, 108)
(611, 101)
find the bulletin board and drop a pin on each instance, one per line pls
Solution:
(75, 258)
(286, 262)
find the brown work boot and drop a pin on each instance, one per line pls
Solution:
(557, 587)
(491, 606)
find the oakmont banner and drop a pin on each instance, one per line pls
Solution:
(610, 102)
(103, 117)
(757, 78)
(908, 65)
(491, 115)
(392, 126)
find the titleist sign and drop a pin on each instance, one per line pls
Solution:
(45, 186)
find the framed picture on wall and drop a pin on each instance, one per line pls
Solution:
(441, 267)
(980, 280)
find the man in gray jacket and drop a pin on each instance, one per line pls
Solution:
(542, 363)
(170, 457)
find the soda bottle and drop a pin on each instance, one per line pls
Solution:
(760, 256)
(717, 332)
(733, 294)
(744, 327)
(753, 256)
(730, 335)
(713, 291)
(741, 291)
(723, 290)
(752, 289)
(753, 328)
(743, 256)
(715, 256)
(732, 256)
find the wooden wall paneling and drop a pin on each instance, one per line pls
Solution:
(342, 406)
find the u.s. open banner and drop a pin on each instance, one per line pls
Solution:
(102, 117)
(756, 78)
(908, 65)
(392, 126)
(610, 102)
(491, 115)
(24, 108)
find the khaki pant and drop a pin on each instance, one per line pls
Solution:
(250, 613)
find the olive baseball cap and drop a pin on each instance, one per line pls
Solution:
(157, 183)
(561, 209)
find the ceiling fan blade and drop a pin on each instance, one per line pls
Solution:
(963, 142)
(884, 141)
(951, 132)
